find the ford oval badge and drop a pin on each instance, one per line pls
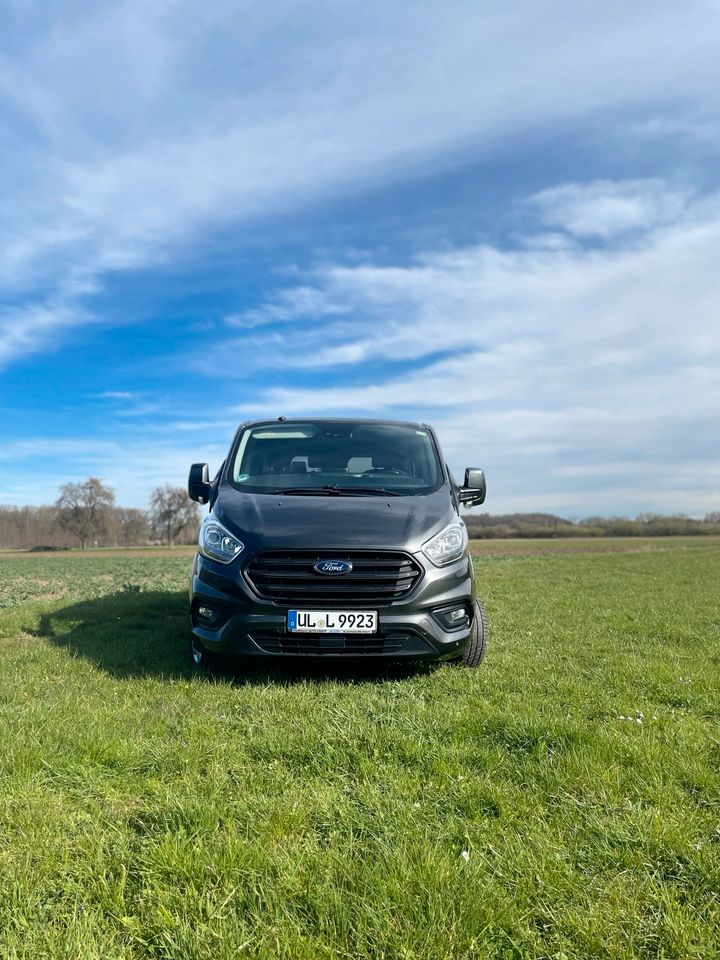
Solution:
(333, 567)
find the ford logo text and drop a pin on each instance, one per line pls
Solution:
(333, 567)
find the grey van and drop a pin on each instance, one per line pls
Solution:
(335, 539)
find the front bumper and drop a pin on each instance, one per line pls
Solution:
(247, 625)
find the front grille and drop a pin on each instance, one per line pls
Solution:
(377, 578)
(314, 644)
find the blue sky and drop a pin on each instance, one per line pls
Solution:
(500, 218)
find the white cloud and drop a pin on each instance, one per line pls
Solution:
(33, 327)
(287, 305)
(615, 305)
(693, 126)
(605, 208)
(553, 358)
(129, 130)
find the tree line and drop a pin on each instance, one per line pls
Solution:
(86, 514)
(529, 525)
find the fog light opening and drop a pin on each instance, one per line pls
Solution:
(453, 618)
(205, 615)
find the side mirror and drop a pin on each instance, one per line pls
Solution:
(474, 489)
(199, 483)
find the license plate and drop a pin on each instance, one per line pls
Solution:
(332, 621)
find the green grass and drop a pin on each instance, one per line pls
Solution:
(149, 813)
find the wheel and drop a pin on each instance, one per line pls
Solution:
(474, 653)
(203, 659)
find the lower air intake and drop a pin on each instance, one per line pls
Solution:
(313, 644)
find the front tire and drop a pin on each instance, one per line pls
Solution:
(476, 650)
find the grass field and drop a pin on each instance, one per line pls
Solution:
(561, 801)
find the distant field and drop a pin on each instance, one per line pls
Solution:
(563, 801)
(534, 547)
(187, 550)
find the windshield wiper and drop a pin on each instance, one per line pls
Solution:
(369, 491)
(333, 491)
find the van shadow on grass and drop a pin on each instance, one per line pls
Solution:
(127, 633)
(131, 634)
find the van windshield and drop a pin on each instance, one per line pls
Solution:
(323, 458)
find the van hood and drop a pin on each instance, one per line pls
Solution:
(271, 522)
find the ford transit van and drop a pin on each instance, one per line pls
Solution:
(335, 539)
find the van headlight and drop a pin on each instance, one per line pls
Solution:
(217, 543)
(448, 545)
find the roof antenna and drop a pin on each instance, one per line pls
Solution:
(282, 419)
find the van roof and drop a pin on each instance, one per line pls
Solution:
(398, 423)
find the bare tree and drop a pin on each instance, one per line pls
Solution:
(171, 512)
(131, 526)
(83, 508)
